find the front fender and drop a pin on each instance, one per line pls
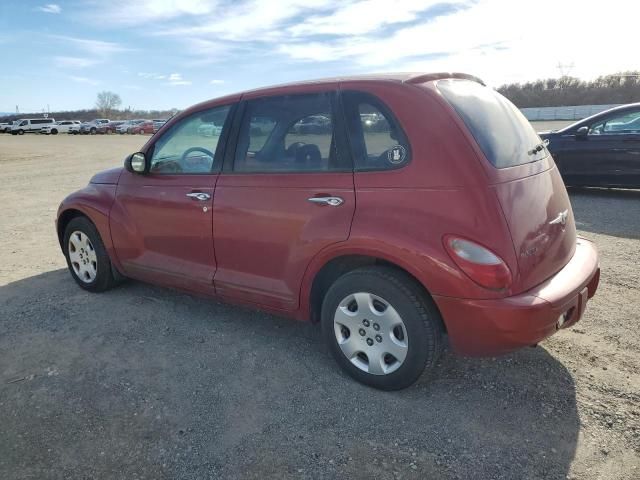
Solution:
(93, 201)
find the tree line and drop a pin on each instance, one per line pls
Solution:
(622, 87)
(107, 104)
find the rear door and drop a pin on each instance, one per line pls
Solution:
(285, 194)
(609, 155)
(161, 222)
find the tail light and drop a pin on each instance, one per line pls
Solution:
(479, 263)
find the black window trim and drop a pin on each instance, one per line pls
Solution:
(218, 155)
(378, 103)
(339, 133)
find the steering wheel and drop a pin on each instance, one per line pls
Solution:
(195, 149)
(170, 166)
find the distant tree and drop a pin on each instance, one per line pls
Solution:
(107, 101)
(621, 87)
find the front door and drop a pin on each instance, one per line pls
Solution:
(161, 222)
(287, 194)
(609, 155)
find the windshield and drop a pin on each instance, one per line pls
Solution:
(505, 136)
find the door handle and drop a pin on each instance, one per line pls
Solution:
(199, 196)
(331, 201)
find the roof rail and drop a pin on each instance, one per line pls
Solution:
(427, 77)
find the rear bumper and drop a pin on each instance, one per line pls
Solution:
(491, 327)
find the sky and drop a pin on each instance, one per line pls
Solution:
(163, 54)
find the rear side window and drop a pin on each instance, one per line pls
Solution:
(505, 136)
(377, 140)
(292, 133)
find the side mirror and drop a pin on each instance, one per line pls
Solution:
(582, 132)
(136, 163)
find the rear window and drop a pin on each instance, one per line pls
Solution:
(505, 136)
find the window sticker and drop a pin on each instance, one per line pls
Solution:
(397, 154)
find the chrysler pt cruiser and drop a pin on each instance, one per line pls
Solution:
(397, 211)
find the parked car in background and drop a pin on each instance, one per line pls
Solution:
(74, 129)
(602, 150)
(5, 127)
(62, 126)
(142, 128)
(462, 223)
(313, 124)
(109, 128)
(209, 130)
(157, 125)
(30, 125)
(92, 126)
(128, 125)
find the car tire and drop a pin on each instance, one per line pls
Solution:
(54, 132)
(395, 330)
(87, 258)
(93, 131)
(20, 132)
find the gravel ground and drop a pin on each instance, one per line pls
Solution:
(144, 382)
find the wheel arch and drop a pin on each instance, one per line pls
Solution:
(330, 268)
(63, 220)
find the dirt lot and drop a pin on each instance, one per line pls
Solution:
(143, 382)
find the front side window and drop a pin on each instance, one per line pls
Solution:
(189, 147)
(377, 139)
(621, 123)
(293, 133)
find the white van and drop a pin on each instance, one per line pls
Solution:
(33, 125)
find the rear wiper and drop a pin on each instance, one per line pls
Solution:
(539, 147)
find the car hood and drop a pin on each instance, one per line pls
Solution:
(108, 177)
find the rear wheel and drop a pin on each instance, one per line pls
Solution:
(93, 131)
(381, 328)
(87, 258)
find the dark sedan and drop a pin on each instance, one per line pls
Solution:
(602, 150)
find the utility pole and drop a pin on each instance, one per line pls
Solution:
(565, 68)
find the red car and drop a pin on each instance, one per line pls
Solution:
(447, 218)
(142, 128)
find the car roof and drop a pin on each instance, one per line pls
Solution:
(402, 77)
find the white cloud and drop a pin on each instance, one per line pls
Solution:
(216, 82)
(86, 80)
(96, 47)
(141, 12)
(50, 8)
(152, 76)
(75, 62)
(176, 79)
(499, 40)
(95, 51)
(362, 17)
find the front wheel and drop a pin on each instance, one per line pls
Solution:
(20, 132)
(381, 328)
(87, 258)
(54, 132)
(93, 131)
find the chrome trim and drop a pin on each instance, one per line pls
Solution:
(331, 201)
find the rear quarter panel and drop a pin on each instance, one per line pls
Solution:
(442, 190)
